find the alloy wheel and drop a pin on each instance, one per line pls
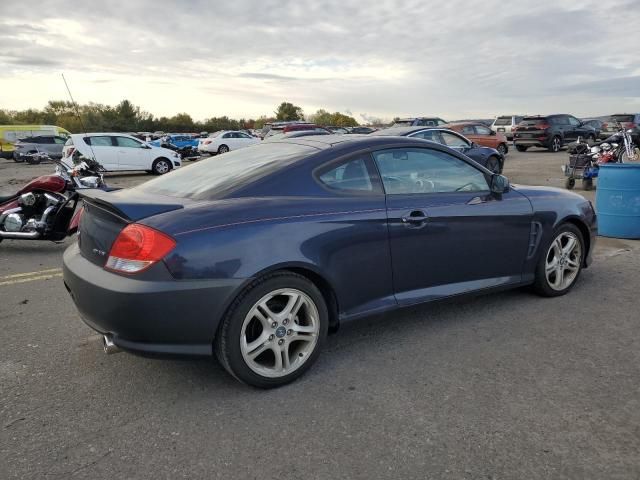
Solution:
(161, 167)
(556, 144)
(563, 261)
(280, 332)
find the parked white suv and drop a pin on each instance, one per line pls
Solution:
(117, 152)
(505, 123)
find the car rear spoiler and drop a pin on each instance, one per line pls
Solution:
(130, 206)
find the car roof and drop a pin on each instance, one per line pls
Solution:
(324, 142)
(101, 134)
(403, 131)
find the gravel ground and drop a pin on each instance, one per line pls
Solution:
(501, 386)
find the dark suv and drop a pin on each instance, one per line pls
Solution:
(550, 131)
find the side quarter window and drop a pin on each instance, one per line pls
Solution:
(420, 171)
(351, 176)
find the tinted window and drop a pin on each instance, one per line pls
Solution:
(573, 121)
(481, 130)
(453, 140)
(503, 121)
(468, 130)
(217, 176)
(98, 141)
(45, 140)
(560, 120)
(60, 140)
(128, 142)
(406, 171)
(621, 118)
(243, 135)
(426, 122)
(432, 135)
(532, 121)
(351, 175)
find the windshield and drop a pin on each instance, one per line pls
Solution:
(218, 176)
(503, 121)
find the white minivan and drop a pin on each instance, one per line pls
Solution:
(118, 152)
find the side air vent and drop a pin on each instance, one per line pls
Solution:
(534, 238)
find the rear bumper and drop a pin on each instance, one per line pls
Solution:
(532, 142)
(164, 317)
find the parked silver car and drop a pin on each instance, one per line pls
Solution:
(51, 145)
(504, 124)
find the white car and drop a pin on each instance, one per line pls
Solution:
(505, 124)
(117, 152)
(226, 140)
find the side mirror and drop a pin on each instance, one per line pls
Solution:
(499, 183)
(492, 133)
(472, 145)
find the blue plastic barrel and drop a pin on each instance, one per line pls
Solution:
(618, 200)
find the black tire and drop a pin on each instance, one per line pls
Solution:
(556, 144)
(161, 166)
(223, 149)
(521, 148)
(502, 149)
(227, 341)
(494, 164)
(587, 184)
(541, 285)
(18, 159)
(570, 183)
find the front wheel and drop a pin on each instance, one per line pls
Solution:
(273, 331)
(561, 262)
(223, 149)
(161, 166)
(502, 149)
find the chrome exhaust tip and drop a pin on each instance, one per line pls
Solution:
(108, 345)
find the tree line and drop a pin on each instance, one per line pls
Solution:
(127, 117)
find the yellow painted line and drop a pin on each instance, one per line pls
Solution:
(29, 274)
(30, 279)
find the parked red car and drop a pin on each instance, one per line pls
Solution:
(482, 135)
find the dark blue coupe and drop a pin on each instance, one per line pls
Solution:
(489, 158)
(257, 254)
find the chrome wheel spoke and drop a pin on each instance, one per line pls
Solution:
(571, 243)
(563, 261)
(287, 324)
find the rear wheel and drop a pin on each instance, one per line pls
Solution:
(273, 331)
(521, 148)
(556, 144)
(561, 263)
(161, 166)
(223, 149)
(570, 183)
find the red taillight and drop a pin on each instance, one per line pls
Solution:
(137, 248)
(75, 221)
(542, 126)
(207, 142)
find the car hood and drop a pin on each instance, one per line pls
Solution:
(536, 192)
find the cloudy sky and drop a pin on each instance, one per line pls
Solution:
(451, 58)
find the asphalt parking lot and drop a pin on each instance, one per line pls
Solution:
(502, 386)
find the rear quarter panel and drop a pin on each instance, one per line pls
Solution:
(342, 239)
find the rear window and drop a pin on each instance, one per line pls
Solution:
(98, 141)
(532, 120)
(621, 118)
(220, 175)
(503, 121)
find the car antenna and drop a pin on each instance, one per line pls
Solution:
(75, 107)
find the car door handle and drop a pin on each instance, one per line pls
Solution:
(415, 217)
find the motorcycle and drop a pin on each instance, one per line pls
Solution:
(618, 147)
(44, 208)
